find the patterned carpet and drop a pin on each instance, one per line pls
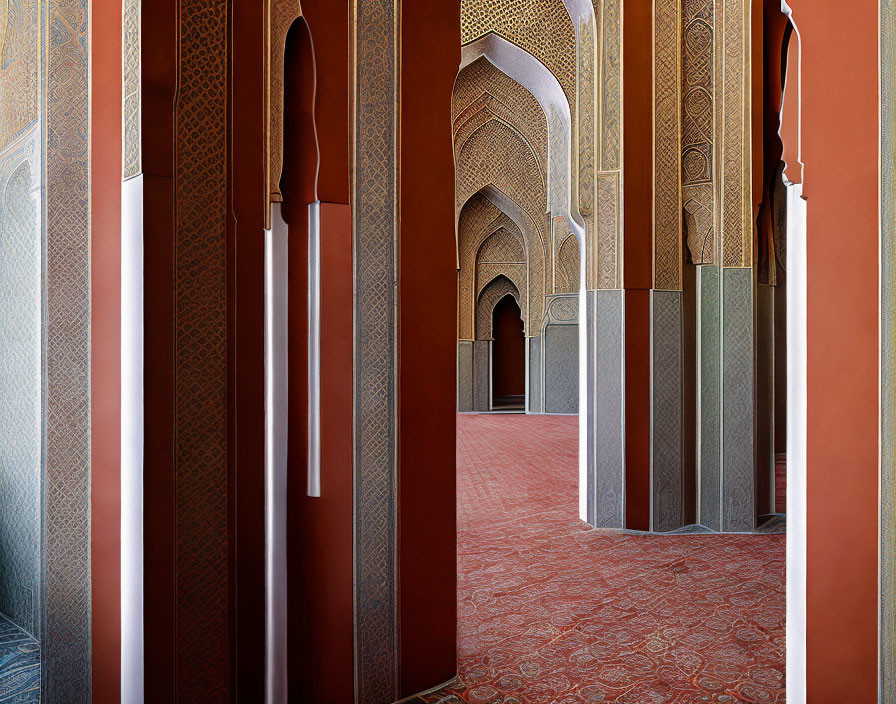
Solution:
(19, 665)
(552, 612)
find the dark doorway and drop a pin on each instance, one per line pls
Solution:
(508, 356)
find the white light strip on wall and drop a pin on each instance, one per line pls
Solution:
(276, 443)
(314, 349)
(132, 657)
(796, 445)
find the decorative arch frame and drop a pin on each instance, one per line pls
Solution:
(492, 293)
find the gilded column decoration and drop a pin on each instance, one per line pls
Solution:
(609, 180)
(887, 667)
(131, 29)
(667, 147)
(697, 153)
(736, 205)
(587, 111)
(376, 49)
(281, 15)
(200, 374)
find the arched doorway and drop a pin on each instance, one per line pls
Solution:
(508, 356)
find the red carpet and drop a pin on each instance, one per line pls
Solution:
(552, 612)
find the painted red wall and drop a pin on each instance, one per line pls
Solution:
(638, 245)
(840, 153)
(320, 530)
(427, 367)
(105, 363)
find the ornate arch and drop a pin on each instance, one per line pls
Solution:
(497, 288)
(482, 215)
(566, 276)
(482, 91)
(542, 28)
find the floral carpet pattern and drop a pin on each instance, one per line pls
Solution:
(553, 612)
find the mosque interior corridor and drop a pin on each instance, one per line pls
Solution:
(447, 352)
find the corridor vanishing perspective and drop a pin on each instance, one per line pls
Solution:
(552, 611)
(447, 352)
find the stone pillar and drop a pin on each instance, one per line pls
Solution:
(709, 397)
(738, 480)
(666, 419)
(482, 375)
(464, 376)
(535, 376)
(605, 315)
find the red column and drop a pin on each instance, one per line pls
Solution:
(638, 247)
(320, 530)
(840, 111)
(427, 348)
(105, 266)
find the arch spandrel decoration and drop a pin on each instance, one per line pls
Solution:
(281, 13)
(503, 254)
(543, 28)
(497, 289)
(503, 246)
(481, 90)
(479, 219)
(19, 69)
(567, 266)
(516, 174)
(131, 96)
(476, 216)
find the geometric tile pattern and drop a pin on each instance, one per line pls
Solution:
(66, 669)
(666, 411)
(130, 56)
(561, 368)
(733, 45)
(587, 93)
(738, 465)
(533, 393)
(709, 403)
(482, 375)
(887, 667)
(553, 612)
(482, 86)
(697, 125)
(609, 446)
(567, 266)
(375, 116)
(19, 665)
(464, 376)
(542, 28)
(200, 348)
(21, 423)
(608, 260)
